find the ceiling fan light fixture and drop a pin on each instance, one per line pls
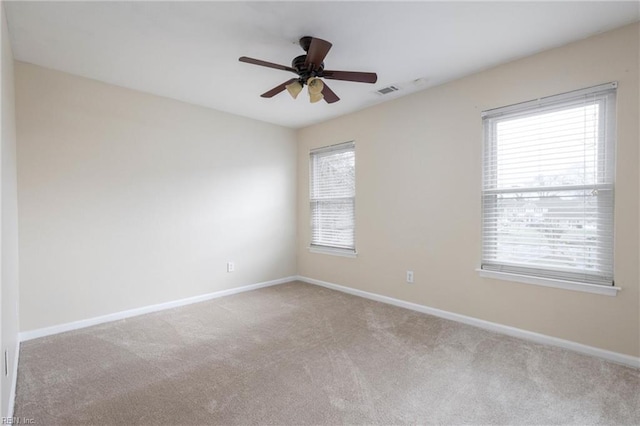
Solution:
(315, 97)
(294, 89)
(315, 86)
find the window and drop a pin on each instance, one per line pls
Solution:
(332, 196)
(548, 187)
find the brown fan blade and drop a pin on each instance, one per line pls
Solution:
(318, 50)
(266, 64)
(360, 77)
(271, 93)
(329, 95)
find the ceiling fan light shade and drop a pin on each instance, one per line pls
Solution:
(315, 86)
(294, 89)
(315, 97)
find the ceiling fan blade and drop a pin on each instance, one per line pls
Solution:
(271, 93)
(318, 50)
(360, 77)
(265, 64)
(329, 95)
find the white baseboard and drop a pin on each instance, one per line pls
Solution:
(487, 325)
(14, 381)
(61, 328)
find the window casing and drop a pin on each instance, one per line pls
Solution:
(548, 187)
(332, 197)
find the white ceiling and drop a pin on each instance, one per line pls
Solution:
(189, 50)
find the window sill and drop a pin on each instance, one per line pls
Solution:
(547, 282)
(333, 251)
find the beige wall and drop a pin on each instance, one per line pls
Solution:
(128, 199)
(9, 215)
(418, 176)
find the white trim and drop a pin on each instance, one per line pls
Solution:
(333, 251)
(486, 325)
(550, 282)
(61, 328)
(549, 99)
(14, 381)
(342, 146)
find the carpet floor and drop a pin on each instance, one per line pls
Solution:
(297, 354)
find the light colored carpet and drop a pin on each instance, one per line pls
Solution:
(300, 354)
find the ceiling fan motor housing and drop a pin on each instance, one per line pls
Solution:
(303, 72)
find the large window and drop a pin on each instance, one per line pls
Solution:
(332, 196)
(548, 187)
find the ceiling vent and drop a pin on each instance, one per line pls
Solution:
(387, 90)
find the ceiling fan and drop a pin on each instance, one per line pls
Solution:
(310, 70)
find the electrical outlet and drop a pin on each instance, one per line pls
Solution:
(231, 267)
(409, 276)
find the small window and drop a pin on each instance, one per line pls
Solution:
(548, 187)
(332, 197)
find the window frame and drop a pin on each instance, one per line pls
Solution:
(315, 247)
(604, 94)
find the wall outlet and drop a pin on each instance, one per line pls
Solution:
(231, 267)
(409, 276)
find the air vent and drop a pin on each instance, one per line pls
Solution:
(387, 90)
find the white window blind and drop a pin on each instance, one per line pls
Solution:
(332, 196)
(548, 187)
